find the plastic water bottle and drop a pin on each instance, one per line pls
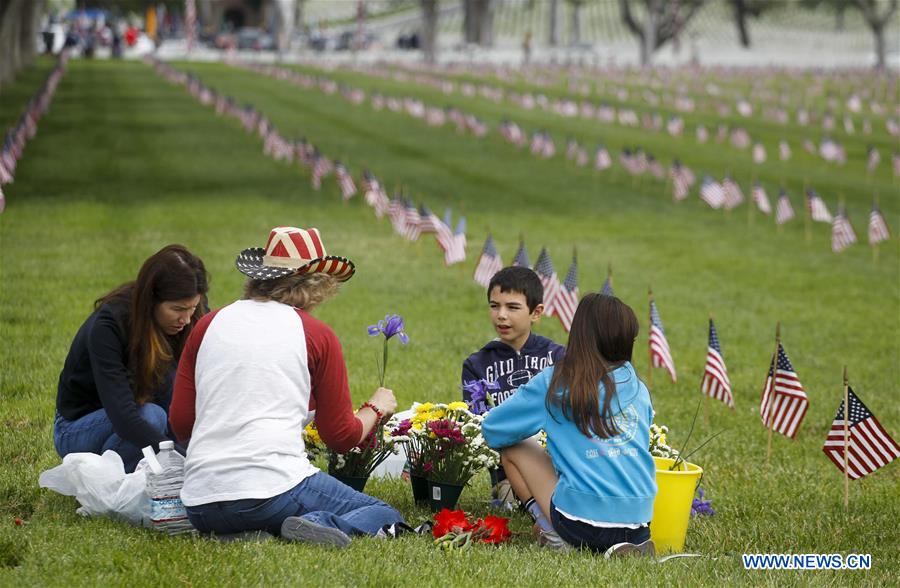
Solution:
(164, 480)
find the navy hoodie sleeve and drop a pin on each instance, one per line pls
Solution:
(107, 347)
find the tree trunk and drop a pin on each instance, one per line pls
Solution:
(575, 24)
(554, 23)
(486, 37)
(648, 39)
(740, 19)
(878, 32)
(429, 30)
(299, 22)
(839, 16)
(470, 21)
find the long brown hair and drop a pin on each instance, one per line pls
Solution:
(602, 338)
(172, 273)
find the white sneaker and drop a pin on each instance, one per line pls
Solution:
(647, 548)
(552, 540)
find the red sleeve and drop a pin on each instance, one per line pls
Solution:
(182, 411)
(338, 426)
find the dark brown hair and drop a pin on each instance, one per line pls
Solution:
(172, 273)
(602, 338)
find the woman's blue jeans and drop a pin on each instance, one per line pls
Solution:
(93, 433)
(319, 498)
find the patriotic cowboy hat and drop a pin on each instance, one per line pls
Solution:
(292, 251)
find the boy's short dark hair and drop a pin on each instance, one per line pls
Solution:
(519, 279)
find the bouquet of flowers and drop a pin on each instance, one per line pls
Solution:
(444, 442)
(659, 443)
(360, 461)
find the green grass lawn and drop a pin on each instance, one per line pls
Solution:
(125, 163)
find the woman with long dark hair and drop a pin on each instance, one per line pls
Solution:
(595, 485)
(116, 384)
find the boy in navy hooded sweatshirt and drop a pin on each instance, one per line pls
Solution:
(516, 297)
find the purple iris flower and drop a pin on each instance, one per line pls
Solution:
(390, 326)
(700, 507)
(478, 392)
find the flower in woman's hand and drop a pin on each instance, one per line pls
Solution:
(390, 326)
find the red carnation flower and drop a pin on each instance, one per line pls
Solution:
(450, 521)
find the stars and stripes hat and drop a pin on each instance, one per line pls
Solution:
(291, 251)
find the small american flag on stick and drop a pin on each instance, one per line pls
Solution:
(784, 402)
(567, 299)
(660, 355)
(544, 269)
(715, 383)
(842, 233)
(761, 199)
(857, 432)
(488, 264)
(878, 229)
(345, 181)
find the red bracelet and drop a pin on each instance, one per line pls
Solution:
(374, 409)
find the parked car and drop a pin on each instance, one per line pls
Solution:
(255, 39)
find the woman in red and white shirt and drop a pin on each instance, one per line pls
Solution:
(250, 376)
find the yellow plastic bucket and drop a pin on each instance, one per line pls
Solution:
(672, 507)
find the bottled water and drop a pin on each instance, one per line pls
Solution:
(164, 481)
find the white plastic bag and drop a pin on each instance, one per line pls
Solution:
(101, 486)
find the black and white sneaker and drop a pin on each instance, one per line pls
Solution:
(395, 530)
(299, 529)
(647, 548)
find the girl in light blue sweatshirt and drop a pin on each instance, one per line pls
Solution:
(595, 488)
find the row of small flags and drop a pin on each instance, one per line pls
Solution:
(26, 127)
(718, 195)
(772, 104)
(784, 402)
(828, 149)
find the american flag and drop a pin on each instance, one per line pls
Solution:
(702, 134)
(816, 208)
(715, 383)
(787, 405)
(442, 231)
(607, 289)
(567, 298)
(488, 264)
(457, 251)
(602, 160)
(345, 181)
(5, 176)
(321, 168)
(660, 355)
(2, 200)
(842, 233)
(759, 153)
(761, 199)
(895, 160)
(733, 194)
(544, 269)
(712, 192)
(783, 209)
(655, 168)
(874, 159)
(868, 445)
(878, 229)
(521, 258)
(397, 214)
(680, 181)
(537, 143)
(784, 151)
(374, 194)
(413, 220)
(549, 148)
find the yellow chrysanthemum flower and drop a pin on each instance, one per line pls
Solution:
(458, 406)
(424, 407)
